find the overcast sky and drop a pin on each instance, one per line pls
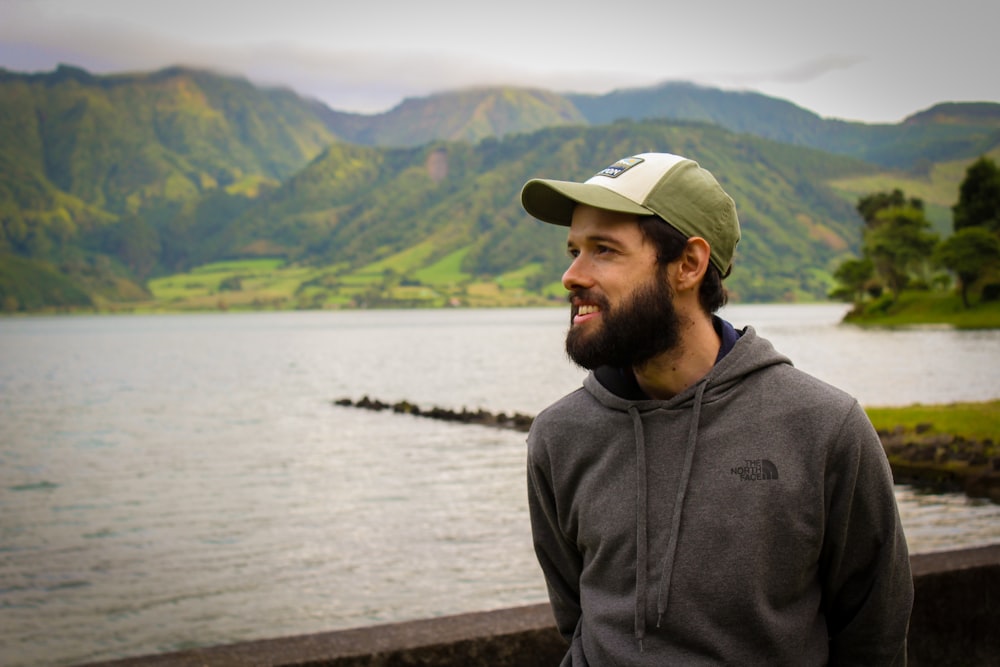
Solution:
(867, 60)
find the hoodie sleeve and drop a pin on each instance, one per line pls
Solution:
(560, 560)
(867, 585)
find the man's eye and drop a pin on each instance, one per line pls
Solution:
(573, 252)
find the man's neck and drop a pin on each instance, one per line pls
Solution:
(674, 371)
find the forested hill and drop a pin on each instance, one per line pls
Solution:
(108, 181)
(355, 205)
(945, 132)
(93, 167)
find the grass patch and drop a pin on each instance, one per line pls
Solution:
(264, 265)
(555, 291)
(359, 279)
(417, 293)
(402, 262)
(446, 271)
(974, 421)
(516, 279)
(953, 447)
(920, 308)
(269, 284)
(241, 284)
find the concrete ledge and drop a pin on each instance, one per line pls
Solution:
(956, 608)
(514, 637)
(955, 619)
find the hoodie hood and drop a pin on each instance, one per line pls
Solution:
(617, 390)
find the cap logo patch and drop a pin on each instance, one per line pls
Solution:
(620, 167)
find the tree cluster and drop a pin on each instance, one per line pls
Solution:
(899, 250)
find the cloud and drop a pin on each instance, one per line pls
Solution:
(369, 56)
(816, 69)
(804, 72)
(347, 79)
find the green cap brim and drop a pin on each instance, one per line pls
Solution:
(553, 201)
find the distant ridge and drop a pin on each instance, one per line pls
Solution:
(466, 115)
(973, 113)
(108, 181)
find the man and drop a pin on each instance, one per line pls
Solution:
(699, 501)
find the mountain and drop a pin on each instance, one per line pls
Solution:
(356, 206)
(944, 132)
(84, 157)
(107, 181)
(109, 139)
(465, 115)
(985, 114)
(739, 111)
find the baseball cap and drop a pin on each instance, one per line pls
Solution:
(672, 187)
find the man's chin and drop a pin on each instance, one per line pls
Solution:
(581, 348)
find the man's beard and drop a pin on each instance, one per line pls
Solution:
(642, 327)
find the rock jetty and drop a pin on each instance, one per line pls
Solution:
(939, 462)
(516, 421)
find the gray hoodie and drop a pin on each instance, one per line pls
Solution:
(749, 520)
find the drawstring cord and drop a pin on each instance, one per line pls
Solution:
(640, 526)
(675, 524)
(642, 553)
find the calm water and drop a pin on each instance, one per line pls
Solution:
(183, 480)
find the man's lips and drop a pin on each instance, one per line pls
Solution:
(584, 312)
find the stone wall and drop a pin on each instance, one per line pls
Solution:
(955, 621)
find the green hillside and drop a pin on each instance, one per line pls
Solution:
(91, 166)
(27, 284)
(121, 141)
(408, 211)
(186, 189)
(935, 183)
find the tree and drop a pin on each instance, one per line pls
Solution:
(979, 197)
(868, 207)
(854, 275)
(968, 253)
(899, 243)
(896, 241)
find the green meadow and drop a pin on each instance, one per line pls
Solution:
(973, 421)
(403, 280)
(929, 307)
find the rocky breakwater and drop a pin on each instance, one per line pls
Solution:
(943, 462)
(516, 421)
(938, 462)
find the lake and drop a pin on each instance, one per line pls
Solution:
(171, 481)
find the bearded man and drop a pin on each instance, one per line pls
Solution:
(699, 501)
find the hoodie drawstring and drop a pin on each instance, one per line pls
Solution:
(675, 523)
(640, 526)
(642, 555)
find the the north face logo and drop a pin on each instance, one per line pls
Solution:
(756, 470)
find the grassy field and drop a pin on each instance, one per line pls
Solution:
(271, 284)
(952, 447)
(921, 308)
(973, 421)
(398, 281)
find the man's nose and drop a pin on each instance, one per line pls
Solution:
(576, 276)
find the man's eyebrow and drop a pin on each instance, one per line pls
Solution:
(595, 238)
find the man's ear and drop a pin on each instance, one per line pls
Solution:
(692, 264)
